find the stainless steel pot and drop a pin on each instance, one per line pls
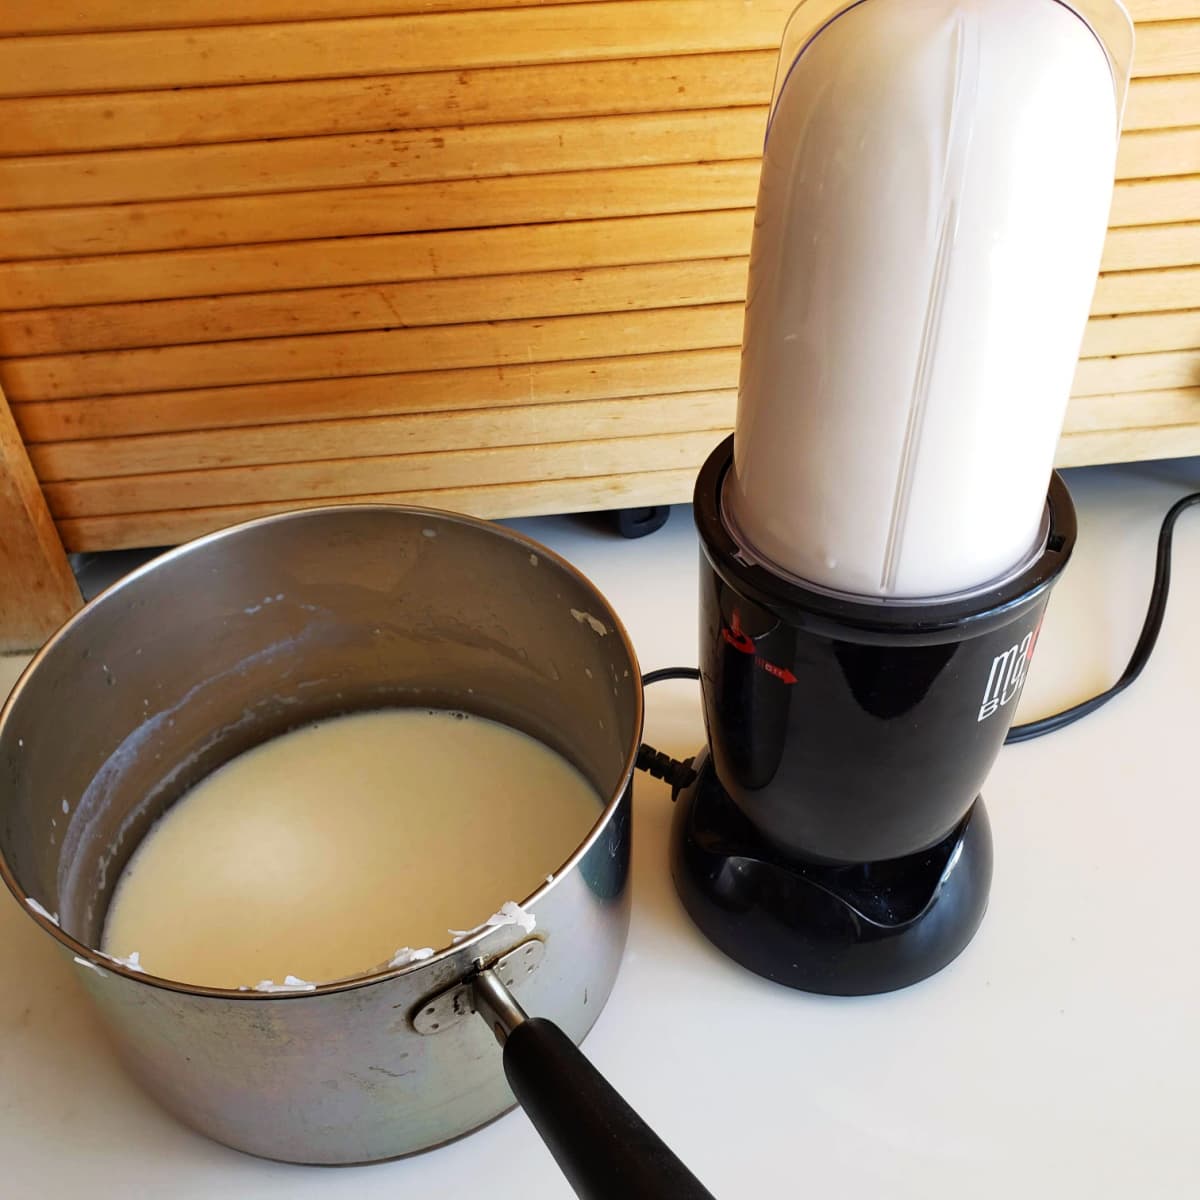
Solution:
(241, 635)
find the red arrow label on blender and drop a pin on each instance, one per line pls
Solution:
(743, 643)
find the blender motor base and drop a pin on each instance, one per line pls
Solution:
(838, 930)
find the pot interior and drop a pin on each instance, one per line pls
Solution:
(266, 627)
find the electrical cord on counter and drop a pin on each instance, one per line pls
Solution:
(679, 774)
(1142, 650)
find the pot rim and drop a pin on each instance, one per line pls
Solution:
(90, 957)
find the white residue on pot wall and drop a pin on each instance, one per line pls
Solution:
(587, 618)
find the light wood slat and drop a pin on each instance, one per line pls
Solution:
(508, 297)
(617, 241)
(187, 224)
(577, 421)
(460, 252)
(75, 63)
(242, 221)
(1155, 201)
(581, 421)
(67, 63)
(398, 208)
(1172, 406)
(194, 116)
(569, 495)
(1146, 246)
(1137, 373)
(1162, 10)
(1167, 48)
(382, 306)
(421, 156)
(536, 340)
(504, 500)
(59, 16)
(1157, 152)
(1163, 103)
(50, 377)
(441, 154)
(66, 16)
(1164, 290)
(351, 476)
(1141, 333)
(420, 432)
(37, 589)
(458, 300)
(1129, 445)
(379, 395)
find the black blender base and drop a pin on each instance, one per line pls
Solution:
(841, 931)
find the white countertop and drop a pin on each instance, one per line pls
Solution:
(1059, 1056)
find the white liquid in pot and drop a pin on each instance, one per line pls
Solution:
(319, 854)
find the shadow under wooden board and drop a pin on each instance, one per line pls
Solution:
(480, 254)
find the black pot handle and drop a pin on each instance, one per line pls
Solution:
(606, 1151)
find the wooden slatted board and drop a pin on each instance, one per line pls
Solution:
(481, 254)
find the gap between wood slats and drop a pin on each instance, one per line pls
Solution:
(489, 298)
(580, 421)
(446, 154)
(81, 63)
(309, 108)
(433, 348)
(379, 395)
(75, 63)
(379, 306)
(24, 17)
(62, 16)
(436, 155)
(466, 252)
(196, 116)
(394, 258)
(505, 500)
(404, 208)
(345, 477)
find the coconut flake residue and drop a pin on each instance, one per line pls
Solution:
(587, 618)
(406, 955)
(91, 966)
(290, 984)
(41, 910)
(133, 961)
(511, 913)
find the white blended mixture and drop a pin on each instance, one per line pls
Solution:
(321, 853)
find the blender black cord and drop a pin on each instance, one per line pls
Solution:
(1142, 650)
(680, 774)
